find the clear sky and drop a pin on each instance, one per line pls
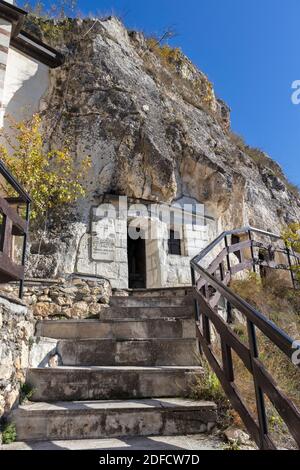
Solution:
(250, 50)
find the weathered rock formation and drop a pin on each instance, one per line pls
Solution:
(155, 130)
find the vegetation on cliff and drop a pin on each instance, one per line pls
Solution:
(291, 236)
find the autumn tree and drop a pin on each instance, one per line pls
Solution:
(291, 236)
(50, 176)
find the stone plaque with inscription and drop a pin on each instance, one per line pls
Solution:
(103, 246)
(103, 249)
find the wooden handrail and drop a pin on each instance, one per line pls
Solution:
(211, 285)
(12, 224)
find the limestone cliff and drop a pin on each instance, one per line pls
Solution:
(155, 130)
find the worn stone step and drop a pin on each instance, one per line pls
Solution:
(140, 301)
(157, 292)
(100, 419)
(117, 329)
(142, 313)
(186, 442)
(101, 383)
(144, 352)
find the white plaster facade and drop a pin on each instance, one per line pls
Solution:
(103, 250)
(25, 64)
(26, 82)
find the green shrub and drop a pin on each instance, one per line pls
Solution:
(207, 387)
(9, 433)
(232, 446)
(26, 392)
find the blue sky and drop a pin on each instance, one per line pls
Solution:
(250, 51)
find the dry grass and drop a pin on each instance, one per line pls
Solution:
(208, 387)
(281, 304)
(196, 90)
(264, 162)
(274, 298)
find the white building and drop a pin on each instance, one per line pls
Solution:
(143, 244)
(24, 65)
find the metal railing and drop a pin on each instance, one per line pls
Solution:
(240, 251)
(14, 220)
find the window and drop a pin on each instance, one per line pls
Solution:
(174, 243)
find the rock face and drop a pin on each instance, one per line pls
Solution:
(155, 130)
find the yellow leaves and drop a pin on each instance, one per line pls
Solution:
(171, 55)
(291, 236)
(174, 59)
(50, 177)
(152, 43)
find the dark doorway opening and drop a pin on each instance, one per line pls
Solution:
(136, 250)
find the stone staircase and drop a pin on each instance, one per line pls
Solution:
(127, 374)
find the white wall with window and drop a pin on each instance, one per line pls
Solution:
(138, 248)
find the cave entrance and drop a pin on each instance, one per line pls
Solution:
(136, 250)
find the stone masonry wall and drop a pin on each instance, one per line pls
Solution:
(64, 298)
(16, 336)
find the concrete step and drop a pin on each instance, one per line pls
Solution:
(140, 301)
(102, 419)
(117, 329)
(156, 292)
(101, 383)
(144, 352)
(142, 313)
(163, 443)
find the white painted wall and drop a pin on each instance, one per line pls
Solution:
(26, 81)
(4, 43)
(162, 269)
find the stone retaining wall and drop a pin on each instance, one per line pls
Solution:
(16, 336)
(53, 299)
(64, 298)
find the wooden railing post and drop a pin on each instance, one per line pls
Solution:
(288, 253)
(260, 402)
(206, 328)
(7, 238)
(227, 361)
(252, 250)
(21, 287)
(228, 305)
(193, 278)
(227, 255)
(229, 312)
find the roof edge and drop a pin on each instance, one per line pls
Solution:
(37, 49)
(25, 42)
(14, 15)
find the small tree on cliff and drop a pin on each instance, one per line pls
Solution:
(50, 177)
(291, 236)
